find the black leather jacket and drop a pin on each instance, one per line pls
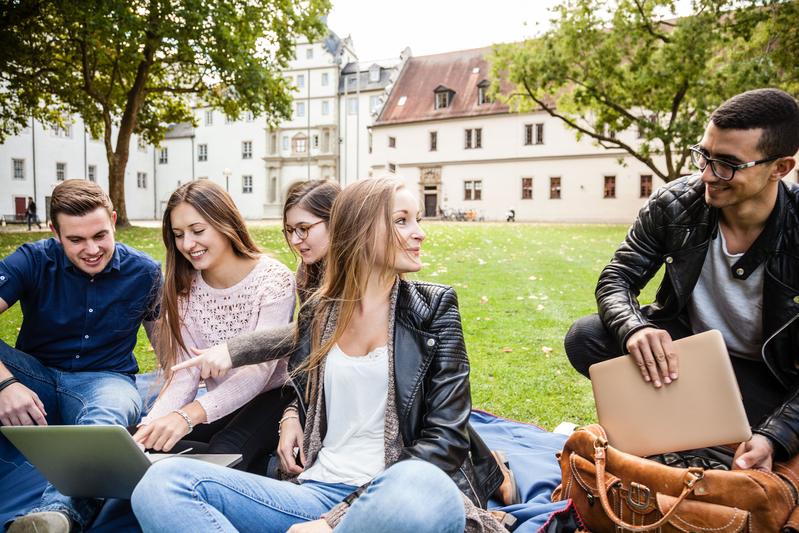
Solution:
(432, 385)
(675, 229)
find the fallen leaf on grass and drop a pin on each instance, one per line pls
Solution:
(546, 349)
(507, 350)
(483, 300)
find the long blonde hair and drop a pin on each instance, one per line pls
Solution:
(358, 213)
(217, 208)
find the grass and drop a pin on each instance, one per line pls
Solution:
(520, 286)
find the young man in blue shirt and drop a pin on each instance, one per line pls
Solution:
(83, 298)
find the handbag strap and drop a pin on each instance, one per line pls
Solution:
(691, 477)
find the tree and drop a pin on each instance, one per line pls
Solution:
(609, 66)
(135, 66)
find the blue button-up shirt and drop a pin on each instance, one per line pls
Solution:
(72, 321)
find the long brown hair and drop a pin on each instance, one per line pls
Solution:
(358, 213)
(316, 197)
(217, 208)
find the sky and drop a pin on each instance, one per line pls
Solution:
(381, 29)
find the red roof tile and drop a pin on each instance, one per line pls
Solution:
(422, 75)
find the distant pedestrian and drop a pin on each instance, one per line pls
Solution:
(511, 215)
(30, 214)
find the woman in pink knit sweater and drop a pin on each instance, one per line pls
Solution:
(217, 285)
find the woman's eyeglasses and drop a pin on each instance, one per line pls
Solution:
(300, 231)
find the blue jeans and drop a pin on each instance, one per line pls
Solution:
(180, 494)
(73, 398)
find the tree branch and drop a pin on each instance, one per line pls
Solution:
(599, 137)
(648, 25)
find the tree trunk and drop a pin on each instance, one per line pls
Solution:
(116, 187)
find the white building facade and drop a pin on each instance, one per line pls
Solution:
(465, 154)
(33, 162)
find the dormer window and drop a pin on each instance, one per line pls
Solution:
(374, 73)
(443, 96)
(482, 92)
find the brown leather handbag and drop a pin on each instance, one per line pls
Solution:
(616, 491)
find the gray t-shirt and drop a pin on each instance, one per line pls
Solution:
(732, 306)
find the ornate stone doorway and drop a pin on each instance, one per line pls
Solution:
(430, 190)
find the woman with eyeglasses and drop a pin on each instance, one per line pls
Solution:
(217, 285)
(381, 376)
(306, 214)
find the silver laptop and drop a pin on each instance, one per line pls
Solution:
(702, 408)
(92, 461)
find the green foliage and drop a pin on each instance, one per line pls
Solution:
(139, 65)
(520, 286)
(611, 65)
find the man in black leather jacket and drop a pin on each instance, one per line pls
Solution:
(729, 239)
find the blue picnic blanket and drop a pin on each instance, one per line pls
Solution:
(529, 449)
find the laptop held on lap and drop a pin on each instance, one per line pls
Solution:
(92, 461)
(700, 409)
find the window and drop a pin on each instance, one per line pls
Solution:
(249, 117)
(352, 106)
(482, 92)
(60, 171)
(273, 143)
(392, 168)
(325, 107)
(433, 141)
(473, 190)
(309, 53)
(443, 99)
(299, 144)
(610, 187)
(300, 81)
(374, 103)
(209, 117)
(392, 142)
(63, 131)
(646, 185)
(300, 109)
(140, 142)
(228, 119)
(325, 79)
(18, 166)
(527, 188)
(163, 156)
(326, 141)
(474, 138)
(246, 184)
(374, 73)
(533, 134)
(202, 152)
(285, 142)
(92, 173)
(554, 188)
(141, 180)
(246, 150)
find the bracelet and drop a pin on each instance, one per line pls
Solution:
(186, 417)
(285, 417)
(6, 382)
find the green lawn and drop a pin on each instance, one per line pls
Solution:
(520, 286)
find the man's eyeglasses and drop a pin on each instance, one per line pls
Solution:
(301, 232)
(723, 170)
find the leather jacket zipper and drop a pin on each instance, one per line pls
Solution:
(471, 486)
(763, 349)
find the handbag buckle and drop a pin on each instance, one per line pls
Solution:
(638, 497)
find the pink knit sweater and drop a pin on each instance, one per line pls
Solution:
(264, 298)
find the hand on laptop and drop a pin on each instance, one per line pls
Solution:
(20, 406)
(162, 433)
(213, 362)
(757, 452)
(652, 351)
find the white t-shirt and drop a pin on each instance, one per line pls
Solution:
(356, 388)
(733, 306)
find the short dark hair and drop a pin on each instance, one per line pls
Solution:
(78, 198)
(773, 110)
